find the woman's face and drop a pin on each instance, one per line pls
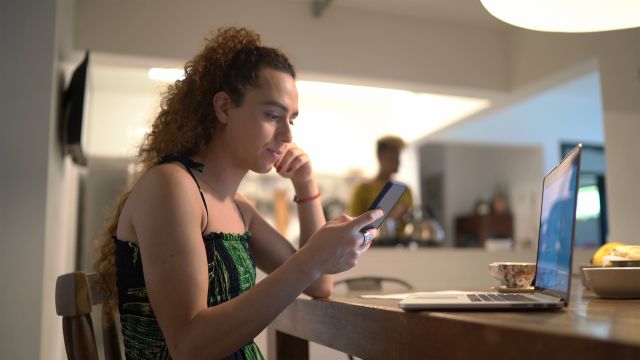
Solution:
(259, 130)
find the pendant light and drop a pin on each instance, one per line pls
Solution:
(568, 16)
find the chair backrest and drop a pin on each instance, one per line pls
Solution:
(76, 293)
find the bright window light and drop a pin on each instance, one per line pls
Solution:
(339, 124)
(166, 74)
(136, 133)
(588, 203)
(343, 91)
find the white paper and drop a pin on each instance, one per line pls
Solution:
(402, 296)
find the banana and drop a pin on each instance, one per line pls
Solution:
(605, 249)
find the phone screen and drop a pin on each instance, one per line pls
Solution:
(386, 200)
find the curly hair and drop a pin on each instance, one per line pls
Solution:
(231, 61)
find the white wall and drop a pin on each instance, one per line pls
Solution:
(102, 184)
(37, 184)
(26, 100)
(535, 55)
(623, 175)
(118, 121)
(473, 172)
(122, 103)
(571, 110)
(538, 58)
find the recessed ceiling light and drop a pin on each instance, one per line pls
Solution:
(165, 74)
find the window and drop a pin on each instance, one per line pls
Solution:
(591, 211)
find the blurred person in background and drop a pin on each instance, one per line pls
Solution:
(388, 149)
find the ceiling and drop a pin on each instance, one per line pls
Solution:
(466, 12)
(469, 12)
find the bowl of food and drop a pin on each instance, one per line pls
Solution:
(610, 255)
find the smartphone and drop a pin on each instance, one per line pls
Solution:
(386, 200)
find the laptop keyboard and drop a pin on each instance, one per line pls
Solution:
(498, 297)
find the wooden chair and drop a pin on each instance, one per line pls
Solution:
(76, 293)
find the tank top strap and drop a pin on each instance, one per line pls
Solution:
(189, 164)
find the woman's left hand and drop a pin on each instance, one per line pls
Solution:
(294, 164)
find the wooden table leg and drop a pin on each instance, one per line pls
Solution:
(282, 346)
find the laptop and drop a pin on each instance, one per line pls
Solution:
(553, 263)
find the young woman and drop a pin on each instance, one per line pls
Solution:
(199, 240)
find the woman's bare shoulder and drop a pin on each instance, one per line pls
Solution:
(161, 188)
(165, 181)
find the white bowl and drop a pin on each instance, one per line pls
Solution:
(583, 277)
(614, 282)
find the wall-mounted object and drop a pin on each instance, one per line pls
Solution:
(73, 113)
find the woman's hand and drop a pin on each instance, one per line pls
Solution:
(336, 246)
(295, 165)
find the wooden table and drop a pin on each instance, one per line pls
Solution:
(590, 328)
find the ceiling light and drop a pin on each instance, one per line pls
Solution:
(569, 16)
(164, 74)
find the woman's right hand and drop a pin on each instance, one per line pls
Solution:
(336, 246)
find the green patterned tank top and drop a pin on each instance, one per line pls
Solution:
(231, 272)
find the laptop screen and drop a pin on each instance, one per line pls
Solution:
(557, 218)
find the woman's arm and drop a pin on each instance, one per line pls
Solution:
(296, 165)
(167, 222)
(270, 249)
(311, 218)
